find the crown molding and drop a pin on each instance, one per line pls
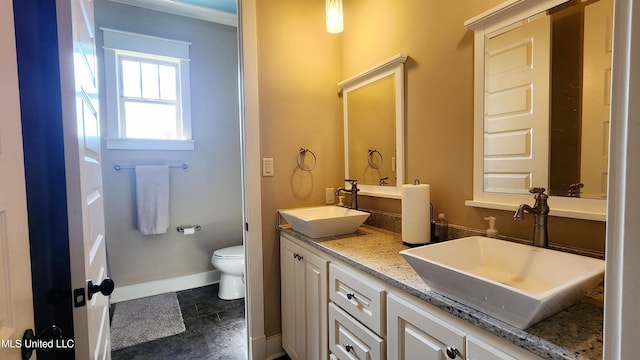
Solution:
(182, 9)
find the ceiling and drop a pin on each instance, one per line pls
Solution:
(218, 11)
(222, 5)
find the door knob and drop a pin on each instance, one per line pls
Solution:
(52, 332)
(106, 287)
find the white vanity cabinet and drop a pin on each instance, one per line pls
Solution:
(357, 316)
(332, 310)
(303, 301)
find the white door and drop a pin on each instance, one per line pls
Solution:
(598, 28)
(516, 119)
(87, 247)
(16, 302)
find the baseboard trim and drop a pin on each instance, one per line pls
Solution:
(150, 288)
(257, 347)
(274, 347)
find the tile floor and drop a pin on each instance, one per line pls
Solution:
(215, 329)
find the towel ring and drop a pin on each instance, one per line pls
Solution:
(300, 158)
(372, 153)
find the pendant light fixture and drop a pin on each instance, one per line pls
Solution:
(334, 16)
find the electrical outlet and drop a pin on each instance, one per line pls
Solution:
(329, 196)
(267, 166)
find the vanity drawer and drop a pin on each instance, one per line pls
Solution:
(359, 297)
(348, 339)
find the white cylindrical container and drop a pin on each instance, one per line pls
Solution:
(416, 221)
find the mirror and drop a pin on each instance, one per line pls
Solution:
(369, 146)
(542, 104)
(582, 34)
(373, 106)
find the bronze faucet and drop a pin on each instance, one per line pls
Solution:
(353, 191)
(541, 212)
(574, 189)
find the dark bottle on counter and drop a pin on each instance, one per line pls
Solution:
(442, 228)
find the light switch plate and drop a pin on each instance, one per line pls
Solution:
(267, 166)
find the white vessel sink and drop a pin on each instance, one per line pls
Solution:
(516, 283)
(321, 221)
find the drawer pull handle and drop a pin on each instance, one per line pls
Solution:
(452, 352)
(348, 347)
(351, 296)
(297, 256)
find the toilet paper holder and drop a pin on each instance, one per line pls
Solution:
(182, 227)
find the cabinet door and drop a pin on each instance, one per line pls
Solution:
(304, 300)
(415, 344)
(413, 333)
(479, 350)
(314, 270)
(293, 340)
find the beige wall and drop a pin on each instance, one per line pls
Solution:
(299, 67)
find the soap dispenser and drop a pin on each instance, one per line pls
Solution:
(492, 232)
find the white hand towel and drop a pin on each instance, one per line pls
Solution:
(152, 196)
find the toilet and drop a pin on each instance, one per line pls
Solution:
(230, 262)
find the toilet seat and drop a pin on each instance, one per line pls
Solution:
(233, 252)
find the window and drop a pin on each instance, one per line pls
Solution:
(147, 91)
(148, 102)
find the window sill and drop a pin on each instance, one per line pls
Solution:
(149, 144)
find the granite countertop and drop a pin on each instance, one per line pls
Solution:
(574, 333)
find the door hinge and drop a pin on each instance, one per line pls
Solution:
(246, 226)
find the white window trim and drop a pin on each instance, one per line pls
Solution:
(118, 41)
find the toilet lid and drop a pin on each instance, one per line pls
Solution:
(230, 252)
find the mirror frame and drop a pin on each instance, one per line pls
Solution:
(499, 17)
(391, 67)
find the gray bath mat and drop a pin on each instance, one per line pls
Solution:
(141, 320)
